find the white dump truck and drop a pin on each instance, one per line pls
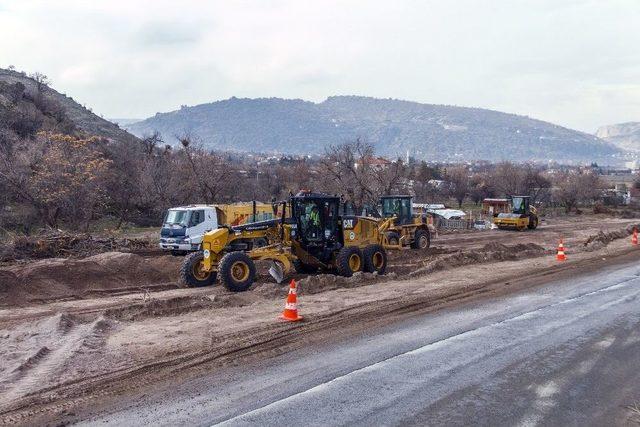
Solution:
(184, 226)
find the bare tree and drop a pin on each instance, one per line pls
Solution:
(42, 81)
(347, 169)
(572, 189)
(458, 183)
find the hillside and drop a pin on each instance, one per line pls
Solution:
(430, 132)
(625, 136)
(27, 107)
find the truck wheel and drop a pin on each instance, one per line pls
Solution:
(176, 252)
(375, 259)
(533, 222)
(304, 268)
(349, 261)
(421, 240)
(237, 271)
(192, 273)
(393, 238)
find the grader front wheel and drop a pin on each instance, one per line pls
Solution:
(192, 272)
(237, 271)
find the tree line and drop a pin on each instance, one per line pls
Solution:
(56, 180)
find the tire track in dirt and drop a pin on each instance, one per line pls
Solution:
(85, 334)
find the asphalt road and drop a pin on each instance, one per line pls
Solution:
(567, 353)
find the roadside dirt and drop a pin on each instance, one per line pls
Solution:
(79, 332)
(63, 278)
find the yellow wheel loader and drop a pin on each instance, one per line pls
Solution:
(521, 217)
(315, 236)
(401, 227)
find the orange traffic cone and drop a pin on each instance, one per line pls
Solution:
(561, 256)
(290, 312)
(634, 238)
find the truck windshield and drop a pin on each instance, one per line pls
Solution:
(177, 217)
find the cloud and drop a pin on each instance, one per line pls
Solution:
(573, 63)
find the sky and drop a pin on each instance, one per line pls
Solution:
(574, 62)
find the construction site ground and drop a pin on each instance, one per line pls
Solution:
(80, 335)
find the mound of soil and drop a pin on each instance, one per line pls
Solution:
(56, 244)
(602, 239)
(58, 278)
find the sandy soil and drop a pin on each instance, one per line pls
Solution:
(79, 332)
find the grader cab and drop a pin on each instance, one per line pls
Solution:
(401, 226)
(315, 236)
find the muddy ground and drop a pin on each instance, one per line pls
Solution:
(78, 332)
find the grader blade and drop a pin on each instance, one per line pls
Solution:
(276, 272)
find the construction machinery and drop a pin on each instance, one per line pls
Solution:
(316, 236)
(401, 226)
(521, 217)
(183, 227)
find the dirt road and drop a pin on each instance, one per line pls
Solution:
(84, 342)
(561, 353)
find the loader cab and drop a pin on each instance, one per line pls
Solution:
(317, 221)
(399, 206)
(521, 205)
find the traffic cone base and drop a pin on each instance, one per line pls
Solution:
(290, 312)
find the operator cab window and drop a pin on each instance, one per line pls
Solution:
(310, 220)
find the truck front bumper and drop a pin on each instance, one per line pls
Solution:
(166, 246)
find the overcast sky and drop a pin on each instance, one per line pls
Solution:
(574, 62)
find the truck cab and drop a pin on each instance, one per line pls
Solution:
(184, 226)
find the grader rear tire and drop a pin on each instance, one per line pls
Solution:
(375, 259)
(237, 271)
(191, 273)
(349, 261)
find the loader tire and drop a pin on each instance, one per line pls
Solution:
(237, 271)
(302, 268)
(421, 240)
(349, 261)
(375, 259)
(191, 273)
(533, 222)
(393, 238)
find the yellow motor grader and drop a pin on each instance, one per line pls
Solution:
(521, 217)
(315, 236)
(401, 226)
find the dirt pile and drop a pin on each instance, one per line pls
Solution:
(57, 244)
(602, 239)
(490, 252)
(58, 278)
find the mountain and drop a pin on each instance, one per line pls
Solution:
(625, 136)
(394, 127)
(28, 106)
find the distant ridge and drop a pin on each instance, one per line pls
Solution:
(625, 136)
(394, 127)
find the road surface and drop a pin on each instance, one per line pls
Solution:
(565, 353)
